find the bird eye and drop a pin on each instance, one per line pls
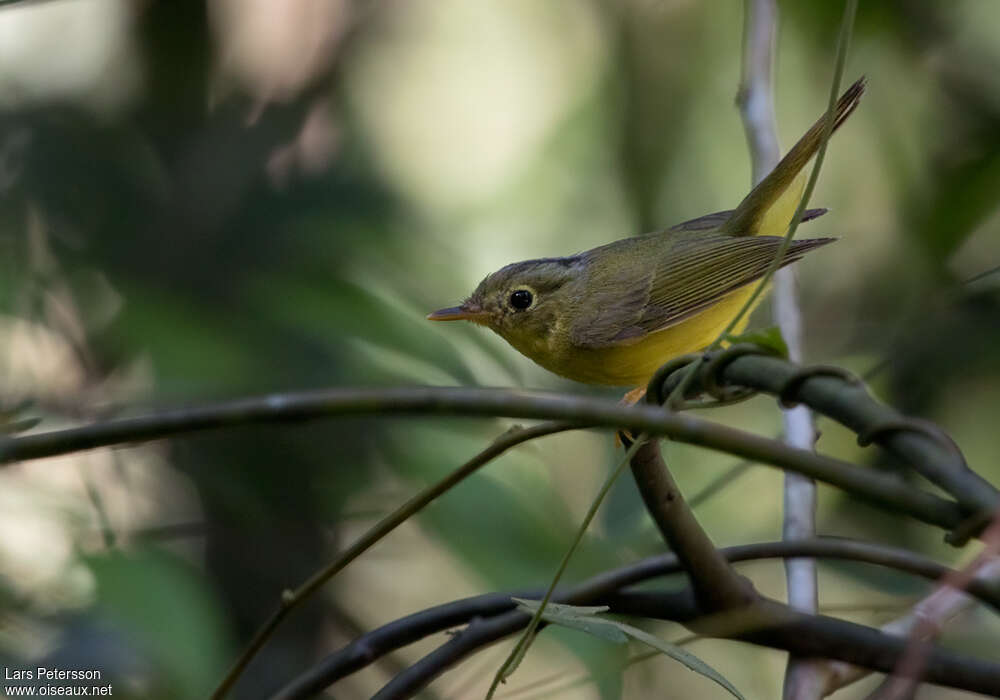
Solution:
(520, 299)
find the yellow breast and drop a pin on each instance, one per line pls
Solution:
(633, 365)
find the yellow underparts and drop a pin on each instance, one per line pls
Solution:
(634, 365)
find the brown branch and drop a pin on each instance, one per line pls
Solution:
(372, 645)
(768, 624)
(925, 448)
(777, 626)
(837, 398)
(296, 407)
(716, 584)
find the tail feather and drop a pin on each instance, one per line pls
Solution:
(770, 205)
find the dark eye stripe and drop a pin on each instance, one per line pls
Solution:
(520, 299)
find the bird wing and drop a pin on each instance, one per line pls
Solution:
(710, 222)
(694, 273)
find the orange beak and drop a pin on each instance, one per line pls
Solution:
(459, 313)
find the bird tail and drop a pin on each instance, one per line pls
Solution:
(769, 207)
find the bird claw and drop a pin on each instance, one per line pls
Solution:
(631, 398)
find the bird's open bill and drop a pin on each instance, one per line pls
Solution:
(458, 313)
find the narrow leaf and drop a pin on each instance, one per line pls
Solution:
(561, 608)
(682, 655)
(767, 338)
(585, 619)
(577, 618)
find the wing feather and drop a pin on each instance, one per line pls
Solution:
(711, 222)
(694, 273)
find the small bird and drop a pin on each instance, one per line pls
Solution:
(614, 314)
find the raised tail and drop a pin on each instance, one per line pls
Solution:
(769, 207)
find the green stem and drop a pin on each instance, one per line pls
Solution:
(292, 599)
(521, 648)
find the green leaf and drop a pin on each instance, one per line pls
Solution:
(586, 619)
(767, 338)
(580, 618)
(678, 654)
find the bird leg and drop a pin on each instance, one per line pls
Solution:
(631, 398)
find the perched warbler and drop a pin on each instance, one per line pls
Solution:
(614, 314)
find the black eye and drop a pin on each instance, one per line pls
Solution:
(521, 299)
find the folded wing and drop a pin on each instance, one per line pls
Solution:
(697, 271)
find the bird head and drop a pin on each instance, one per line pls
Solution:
(523, 302)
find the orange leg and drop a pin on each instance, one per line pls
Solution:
(631, 398)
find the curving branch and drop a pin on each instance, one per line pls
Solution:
(490, 610)
(837, 395)
(716, 585)
(778, 626)
(582, 411)
(333, 403)
(825, 390)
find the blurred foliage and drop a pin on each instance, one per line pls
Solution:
(207, 200)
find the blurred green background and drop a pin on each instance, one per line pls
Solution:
(206, 200)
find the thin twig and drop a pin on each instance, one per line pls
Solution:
(756, 93)
(521, 648)
(292, 599)
(949, 605)
(756, 102)
(720, 482)
(932, 302)
(926, 621)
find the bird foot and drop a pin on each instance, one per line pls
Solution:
(631, 398)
